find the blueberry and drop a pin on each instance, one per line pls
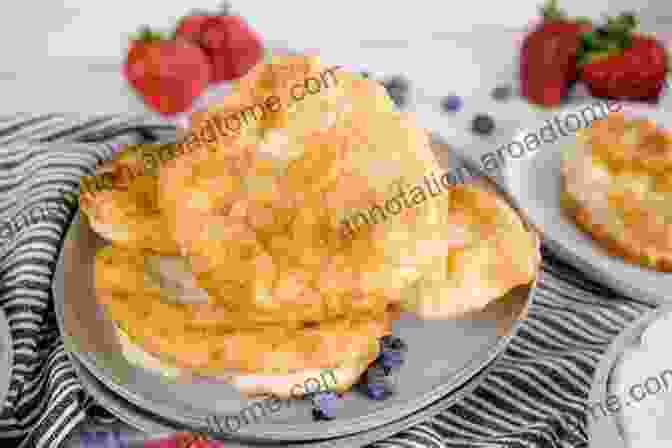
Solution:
(393, 343)
(318, 415)
(397, 87)
(451, 103)
(377, 391)
(397, 96)
(375, 373)
(399, 101)
(379, 384)
(380, 389)
(391, 361)
(324, 397)
(483, 124)
(398, 83)
(325, 404)
(393, 355)
(502, 93)
(391, 366)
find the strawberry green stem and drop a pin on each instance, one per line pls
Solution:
(146, 34)
(614, 36)
(551, 11)
(621, 24)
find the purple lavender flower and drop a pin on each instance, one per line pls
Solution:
(102, 439)
(324, 405)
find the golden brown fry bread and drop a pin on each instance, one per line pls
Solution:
(617, 186)
(121, 201)
(292, 384)
(270, 349)
(260, 215)
(498, 255)
(165, 287)
(144, 273)
(174, 330)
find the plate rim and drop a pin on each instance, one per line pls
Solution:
(96, 389)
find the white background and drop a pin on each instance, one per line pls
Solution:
(64, 55)
(36, 29)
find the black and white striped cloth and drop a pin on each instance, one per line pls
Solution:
(535, 396)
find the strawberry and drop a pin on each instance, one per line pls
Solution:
(233, 46)
(184, 440)
(189, 27)
(168, 74)
(549, 55)
(621, 64)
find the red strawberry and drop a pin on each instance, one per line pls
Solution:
(636, 72)
(184, 440)
(168, 74)
(190, 26)
(233, 46)
(548, 61)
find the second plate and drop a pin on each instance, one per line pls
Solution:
(534, 181)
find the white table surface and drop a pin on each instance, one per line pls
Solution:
(64, 55)
(72, 63)
(35, 30)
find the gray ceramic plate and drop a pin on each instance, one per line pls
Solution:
(604, 426)
(155, 427)
(6, 358)
(534, 181)
(123, 410)
(443, 356)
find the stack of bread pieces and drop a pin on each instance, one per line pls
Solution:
(231, 258)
